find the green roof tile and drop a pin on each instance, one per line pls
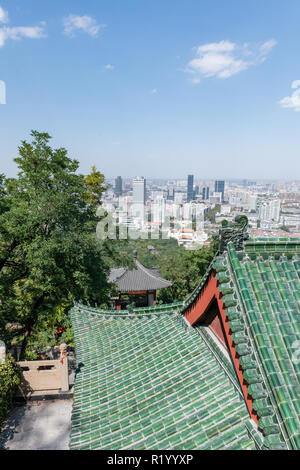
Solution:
(270, 308)
(146, 381)
(151, 384)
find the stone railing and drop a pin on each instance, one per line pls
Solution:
(45, 377)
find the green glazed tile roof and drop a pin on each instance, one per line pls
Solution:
(145, 381)
(265, 312)
(276, 247)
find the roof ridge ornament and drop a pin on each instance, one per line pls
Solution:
(235, 232)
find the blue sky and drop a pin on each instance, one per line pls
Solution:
(160, 88)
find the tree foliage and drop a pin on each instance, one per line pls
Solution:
(211, 214)
(185, 271)
(49, 253)
(183, 267)
(10, 379)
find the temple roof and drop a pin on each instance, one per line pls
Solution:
(267, 283)
(138, 279)
(261, 293)
(148, 381)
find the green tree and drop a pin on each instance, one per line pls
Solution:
(49, 253)
(211, 214)
(10, 380)
(185, 271)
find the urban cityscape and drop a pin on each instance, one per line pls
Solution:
(143, 206)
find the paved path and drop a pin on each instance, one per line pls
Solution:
(38, 426)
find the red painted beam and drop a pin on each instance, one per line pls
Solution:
(209, 293)
(135, 292)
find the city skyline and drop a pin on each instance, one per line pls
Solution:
(199, 208)
(220, 99)
(197, 178)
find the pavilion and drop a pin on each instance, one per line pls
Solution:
(139, 284)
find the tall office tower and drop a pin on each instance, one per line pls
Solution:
(190, 188)
(118, 186)
(139, 197)
(171, 194)
(139, 190)
(220, 188)
(159, 210)
(205, 193)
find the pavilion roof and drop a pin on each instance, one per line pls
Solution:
(138, 279)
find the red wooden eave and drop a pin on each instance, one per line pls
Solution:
(196, 312)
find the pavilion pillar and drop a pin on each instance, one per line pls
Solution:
(118, 303)
(151, 298)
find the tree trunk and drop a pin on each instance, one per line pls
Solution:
(29, 326)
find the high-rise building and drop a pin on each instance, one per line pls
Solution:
(139, 197)
(159, 210)
(171, 194)
(215, 198)
(270, 210)
(190, 188)
(205, 193)
(139, 190)
(252, 202)
(118, 186)
(220, 188)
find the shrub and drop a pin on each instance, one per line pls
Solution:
(10, 379)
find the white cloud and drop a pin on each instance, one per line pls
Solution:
(267, 46)
(18, 32)
(223, 46)
(109, 67)
(3, 16)
(82, 23)
(225, 58)
(196, 80)
(154, 91)
(292, 101)
(296, 84)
